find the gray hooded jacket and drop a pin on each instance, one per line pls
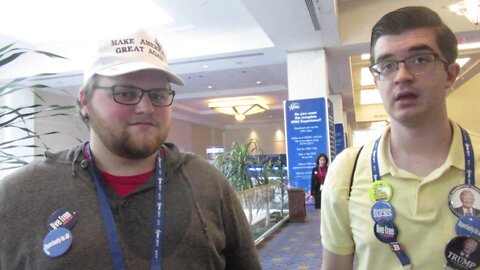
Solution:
(205, 226)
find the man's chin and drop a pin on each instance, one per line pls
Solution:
(139, 148)
(136, 153)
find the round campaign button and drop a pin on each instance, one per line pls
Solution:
(462, 252)
(57, 242)
(464, 200)
(382, 210)
(61, 218)
(468, 226)
(386, 231)
(380, 191)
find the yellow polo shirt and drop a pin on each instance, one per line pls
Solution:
(422, 214)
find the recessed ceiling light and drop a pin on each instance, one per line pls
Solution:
(205, 66)
(365, 56)
(209, 87)
(370, 96)
(468, 46)
(259, 82)
(462, 61)
(366, 78)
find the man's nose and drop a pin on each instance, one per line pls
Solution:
(402, 73)
(145, 105)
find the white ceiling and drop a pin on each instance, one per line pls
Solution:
(241, 42)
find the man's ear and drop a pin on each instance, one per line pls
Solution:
(82, 103)
(452, 73)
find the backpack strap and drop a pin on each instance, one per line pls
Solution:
(353, 171)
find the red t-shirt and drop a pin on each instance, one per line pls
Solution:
(125, 185)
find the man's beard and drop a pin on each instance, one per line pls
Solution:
(125, 147)
(122, 143)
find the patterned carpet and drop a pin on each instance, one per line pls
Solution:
(295, 246)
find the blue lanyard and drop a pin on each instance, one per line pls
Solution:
(469, 174)
(469, 159)
(467, 150)
(109, 222)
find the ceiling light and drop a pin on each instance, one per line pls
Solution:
(239, 108)
(365, 56)
(240, 117)
(467, 8)
(468, 46)
(370, 96)
(209, 87)
(259, 82)
(366, 77)
(462, 61)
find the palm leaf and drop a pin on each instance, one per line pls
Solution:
(17, 117)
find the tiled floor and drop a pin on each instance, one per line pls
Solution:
(295, 246)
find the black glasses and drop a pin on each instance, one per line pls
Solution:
(416, 64)
(131, 95)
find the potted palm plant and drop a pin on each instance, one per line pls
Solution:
(255, 177)
(16, 117)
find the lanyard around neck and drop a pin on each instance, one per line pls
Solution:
(468, 155)
(109, 222)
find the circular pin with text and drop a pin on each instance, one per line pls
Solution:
(464, 200)
(382, 210)
(380, 191)
(462, 252)
(57, 242)
(386, 231)
(468, 226)
(61, 218)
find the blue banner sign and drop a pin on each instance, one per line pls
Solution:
(306, 126)
(339, 138)
(331, 133)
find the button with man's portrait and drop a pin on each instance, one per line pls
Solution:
(462, 252)
(464, 200)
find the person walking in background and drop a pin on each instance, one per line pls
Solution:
(392, 211)
(319, 173)
(126, 199)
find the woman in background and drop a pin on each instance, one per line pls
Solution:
(318, 177)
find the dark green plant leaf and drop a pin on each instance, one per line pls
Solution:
(10, 58)
(6, 47)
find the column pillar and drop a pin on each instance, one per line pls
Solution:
(307, 75)
(309, 119)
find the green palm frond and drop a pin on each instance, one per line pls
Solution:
(16, 117)
(235, 165)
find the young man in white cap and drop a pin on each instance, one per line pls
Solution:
(125, 199)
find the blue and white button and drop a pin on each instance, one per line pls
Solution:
(382, 210)
(57, 242)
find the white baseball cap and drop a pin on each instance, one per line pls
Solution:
(127, 53)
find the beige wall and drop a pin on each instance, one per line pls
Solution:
(270, 137)
(194, 138)
(464, 104)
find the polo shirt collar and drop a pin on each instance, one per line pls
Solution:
(455, 156)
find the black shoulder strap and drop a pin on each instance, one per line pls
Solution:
(353, 171)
